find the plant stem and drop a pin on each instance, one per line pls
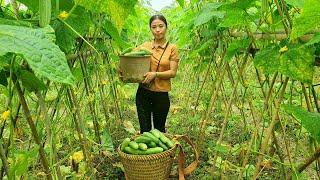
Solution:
(34, 131)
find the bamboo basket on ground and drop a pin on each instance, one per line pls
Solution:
(148, 167)
(158, 166)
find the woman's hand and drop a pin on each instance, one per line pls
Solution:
(149, 77)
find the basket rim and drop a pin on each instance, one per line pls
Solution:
(149, 156)
(138, 56)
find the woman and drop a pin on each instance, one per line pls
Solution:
(152, 99)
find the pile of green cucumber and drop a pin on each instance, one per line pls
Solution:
(151, 142)
(141, 52)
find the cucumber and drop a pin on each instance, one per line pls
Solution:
(143, 139)
(170, 144)
(125, 143)
(152, 144)
(138, 53)
(143, 146)
(155, 150)
(155, 132)
(127, 50)
(44, 12)
(163, 145)
(146, 51)
(151, 136)
(133, 145)
(130, 150)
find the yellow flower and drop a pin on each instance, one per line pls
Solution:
(103, 82)
(77, 156)
(5, 115)
(63, 15)
(283, 49)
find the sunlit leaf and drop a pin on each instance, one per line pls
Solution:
(309, 120)
(298, 63)
(268, 59)
(308, 20)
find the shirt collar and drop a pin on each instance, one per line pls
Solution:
(162, 46)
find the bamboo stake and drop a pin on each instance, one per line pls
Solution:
(265, 141)
(34, 131)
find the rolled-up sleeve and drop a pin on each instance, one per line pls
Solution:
(174, 56)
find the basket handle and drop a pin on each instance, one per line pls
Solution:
(181, 170)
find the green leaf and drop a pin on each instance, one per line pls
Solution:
(208, 13)
(107, 141)
(296, 3)
(181, 3)
(111, 30)
(234, 17)
(298, 63)
(309, 120)
(22, 160)
(43, 56)
(268, 59)
(15, 22)
(314, 40)
(30, 81)
(308, 20)
(237, 46)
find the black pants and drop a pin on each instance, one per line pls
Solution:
(155, 103)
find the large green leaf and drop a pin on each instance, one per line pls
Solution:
(43, 56)
(207, 13)
(237, 46)
(309, 120)
(308, 20)
(118, 10)
(268, 59)
(298, 63)
(111, 30)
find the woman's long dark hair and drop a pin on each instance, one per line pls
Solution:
(160, 17)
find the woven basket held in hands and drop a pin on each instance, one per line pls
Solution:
(157, 166)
